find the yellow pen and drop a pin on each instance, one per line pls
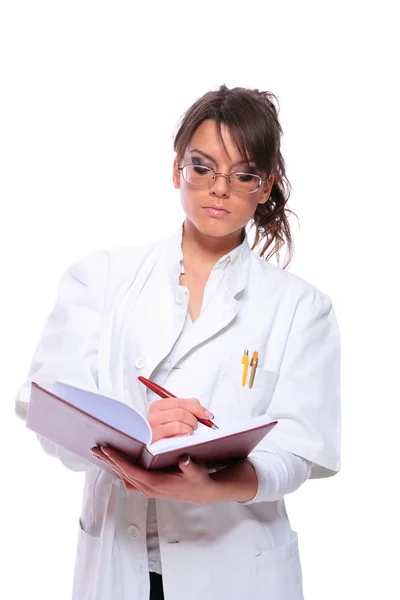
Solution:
(245, 362)
(253, 364)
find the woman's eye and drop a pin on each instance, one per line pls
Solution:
(245, 177)
(201, 170)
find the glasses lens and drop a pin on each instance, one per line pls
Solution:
(198, 175)
(245, 182)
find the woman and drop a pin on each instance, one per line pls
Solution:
(183, 312)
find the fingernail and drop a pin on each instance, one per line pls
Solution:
(209, 414)
(95, 455)
(187, 461)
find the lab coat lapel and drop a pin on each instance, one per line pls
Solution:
(166, 324)
(161, 324)
(218, 315)
(163, 327)
(223, 308)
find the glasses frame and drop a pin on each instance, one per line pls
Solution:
(227, 177)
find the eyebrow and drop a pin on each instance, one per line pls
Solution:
(240, 162)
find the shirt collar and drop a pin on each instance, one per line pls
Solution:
(236, 260)
(230, 258)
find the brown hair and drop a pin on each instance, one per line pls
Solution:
(252, 119)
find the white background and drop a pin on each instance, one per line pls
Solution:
(91, 92)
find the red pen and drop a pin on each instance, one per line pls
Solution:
(157, 389)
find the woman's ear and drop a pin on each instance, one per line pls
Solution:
(267, 190)
(176, 175)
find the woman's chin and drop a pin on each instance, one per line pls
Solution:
(213, 227)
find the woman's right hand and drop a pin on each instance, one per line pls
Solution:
(174, 417)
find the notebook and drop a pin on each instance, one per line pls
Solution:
(78, 420)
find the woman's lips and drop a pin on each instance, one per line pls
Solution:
(219, 213)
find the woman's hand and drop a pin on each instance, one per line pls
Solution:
(173, 417)
(190, 482)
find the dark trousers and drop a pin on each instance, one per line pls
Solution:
(156, 588)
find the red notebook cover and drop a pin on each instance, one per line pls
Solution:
(78, 420)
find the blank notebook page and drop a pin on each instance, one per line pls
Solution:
(207, 434)
(115, 413)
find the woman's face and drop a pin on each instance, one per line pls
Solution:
(217, 210)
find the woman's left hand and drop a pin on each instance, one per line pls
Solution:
(190, 483)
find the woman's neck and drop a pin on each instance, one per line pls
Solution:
(207, 249)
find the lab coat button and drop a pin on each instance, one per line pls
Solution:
(133, 532)
(140, 362)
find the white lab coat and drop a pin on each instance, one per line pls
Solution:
(227, 550)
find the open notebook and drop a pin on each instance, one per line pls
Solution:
(77, 420)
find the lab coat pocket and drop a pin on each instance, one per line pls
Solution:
(85, 564)
(250, 402)
(278, 571)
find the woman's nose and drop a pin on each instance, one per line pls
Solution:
(220, 186)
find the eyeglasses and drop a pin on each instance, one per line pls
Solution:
(205, 177)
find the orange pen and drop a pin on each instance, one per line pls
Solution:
(253, 365)
(163, 393)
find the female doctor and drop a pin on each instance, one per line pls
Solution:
(183, 312)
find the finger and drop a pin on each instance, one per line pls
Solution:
(129, 486)
(168, 430)
(105, 459)
(99, 454)
(129, 470)
(191, 469)
(112, 460)
(168, 403)
(115, 457)
(192, 405)
(116, 467)
(132, 484)
(182, 415)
